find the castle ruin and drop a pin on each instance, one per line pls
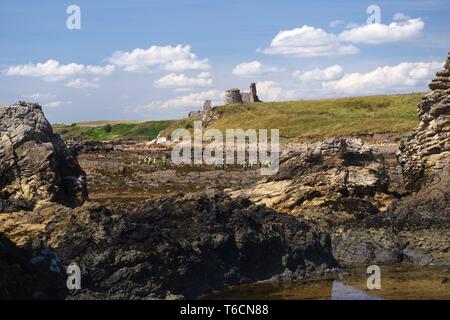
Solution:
(235, 96)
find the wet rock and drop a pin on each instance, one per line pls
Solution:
(24, 275)
(35, 163)
(183, 246)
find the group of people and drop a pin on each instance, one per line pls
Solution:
(153, 161)
(247, 165)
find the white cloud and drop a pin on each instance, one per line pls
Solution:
(387, 79)
(174, 80)
(253, 69)
(308, 42)
(330, 73)
(337, 23)
(193, 100)
(178, 58)
(399, 16)
(53, 70)
(381, 33)
(57, 104)
(80, 83)
(271, 91)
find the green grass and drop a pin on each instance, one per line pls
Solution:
(102, 131)
(317, 119)
(311, 119)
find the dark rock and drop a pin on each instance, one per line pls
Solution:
(24, 275)
(183, 245)
(35, 163)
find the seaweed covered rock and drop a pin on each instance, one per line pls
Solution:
(35, 163)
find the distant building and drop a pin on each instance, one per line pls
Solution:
(235, 96)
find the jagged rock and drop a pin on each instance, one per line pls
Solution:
(210, 117)
(425, 154)
(24, 275)
(417, 228)
(35, 163)
(332, 181)
(176, 245)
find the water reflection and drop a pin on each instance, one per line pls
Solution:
(341, 291)
(397, 282)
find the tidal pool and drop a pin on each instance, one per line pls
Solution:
(397, 282)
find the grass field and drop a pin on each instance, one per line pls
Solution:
(114, 130)
(312, 119)
(318, 119)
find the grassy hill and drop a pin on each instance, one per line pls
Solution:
(310, 119)
(113, 130)
(317, 119)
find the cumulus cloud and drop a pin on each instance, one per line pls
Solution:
(271, 91)
(399, 16)
(308, 41)
(178, 58)
(387, 79)
(174, 80)
(80, 83)
(330, 73)
(253, 69)
(377, 33)
(189, 101)
(53, 70)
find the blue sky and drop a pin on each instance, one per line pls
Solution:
(175, 54)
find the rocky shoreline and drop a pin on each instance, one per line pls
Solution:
(177, 232)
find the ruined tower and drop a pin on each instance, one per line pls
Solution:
(234, 96)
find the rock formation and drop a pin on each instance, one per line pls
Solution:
(35, 163)
(332, 181)
(24, 275)
(417, 228)
(176, 245)
(425, 154)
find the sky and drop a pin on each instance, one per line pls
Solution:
(151, 60)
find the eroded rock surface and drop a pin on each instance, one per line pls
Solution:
(176, 246)
(35, 163)
(417, 228)
(332, 181)
(425, 154)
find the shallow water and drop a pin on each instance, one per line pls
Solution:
(397, 282)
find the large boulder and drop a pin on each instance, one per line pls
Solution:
(425, 154)
(35, 163)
